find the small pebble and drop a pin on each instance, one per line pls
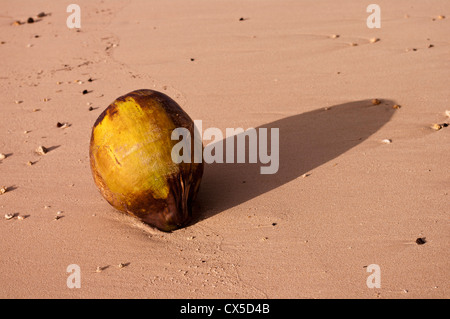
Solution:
(18, 102)
(30, 20)
(36, 110)
(334, 36)
(90, 108)
(41, 14)
(420, 241)
(41, 150)
(99, 269)
(17, 22)
(376, 101)
(441, 17)
(447, 113)
(396, 106)
(430, 46)
(386, 141)
(353, 44)
(57, 217)
(121, 265)
(29, 163)
(46, 99)
(3, 190)
(373, 40)
(85, 91)
(62, 125)
(2, 156)
(20, 217)
(9, 216)
(436, 127)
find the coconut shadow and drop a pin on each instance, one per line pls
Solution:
(306, 141)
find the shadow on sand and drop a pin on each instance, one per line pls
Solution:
(306, 141)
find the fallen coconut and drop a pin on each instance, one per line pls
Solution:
(131, 159)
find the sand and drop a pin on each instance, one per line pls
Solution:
(342, 199)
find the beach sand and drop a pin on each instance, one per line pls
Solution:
(341, 200)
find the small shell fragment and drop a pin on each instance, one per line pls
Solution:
(41, 150)
(376, 101)
(9, 216)
(386, 141)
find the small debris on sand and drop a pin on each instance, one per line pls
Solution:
(396, 106)
(62, 125)
(373, 40)
(386, 141)
(420, 241)
(3, 190)
(9, 216)
(334, 36)
(376, 101)
(441, 17)
(30, 20)
(41, 150)
(2, 156)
